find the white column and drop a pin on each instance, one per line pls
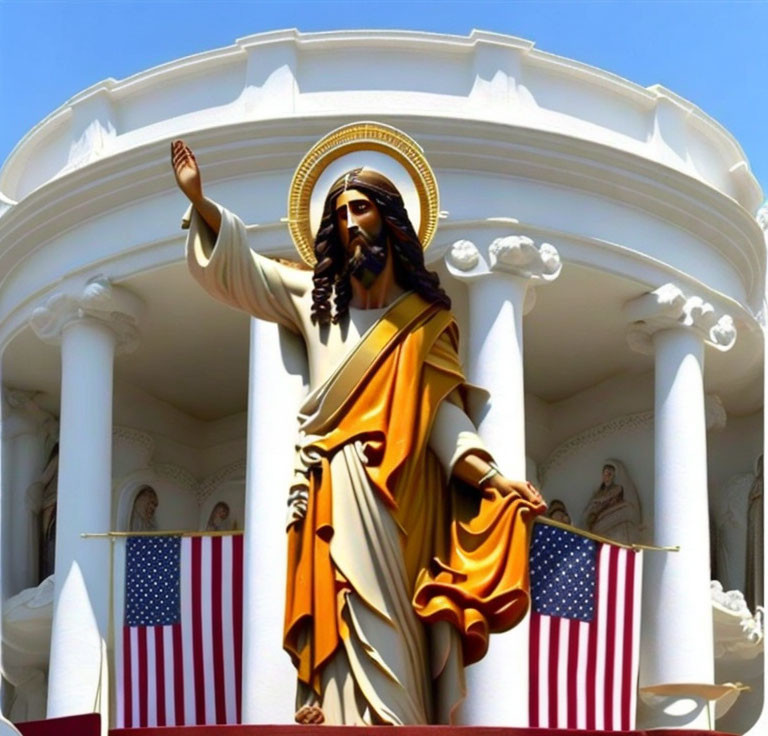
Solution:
(499, 296)
(762, 722)
(26, 431)
(90, 326)
(677, 640)
(6, 727)
(276, 388)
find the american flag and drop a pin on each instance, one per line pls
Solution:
(179, 655)
(585, 632)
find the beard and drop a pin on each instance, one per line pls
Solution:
(369, 256)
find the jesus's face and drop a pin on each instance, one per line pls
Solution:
(361, 232)
(357, 219)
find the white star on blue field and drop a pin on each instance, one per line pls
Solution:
(563, 573)
(152, 585)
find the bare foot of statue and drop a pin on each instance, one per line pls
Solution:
(309, 715)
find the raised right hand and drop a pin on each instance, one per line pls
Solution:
(186, 171)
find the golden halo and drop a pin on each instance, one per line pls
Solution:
(362, 136)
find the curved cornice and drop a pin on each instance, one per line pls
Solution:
(239, 150)
(483, 76)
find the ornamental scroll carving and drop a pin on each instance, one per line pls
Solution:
(212, 482)
(202, 490)
(574, 445)
(716, 420)
(670, 307)
(97, 300)
(140, 446)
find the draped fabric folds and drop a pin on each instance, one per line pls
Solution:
(465, 556)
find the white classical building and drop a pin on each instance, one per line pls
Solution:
(600, 245)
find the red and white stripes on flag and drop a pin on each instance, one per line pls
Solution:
(186, 669)
(583, 673)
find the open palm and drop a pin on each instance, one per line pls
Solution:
(186, 171)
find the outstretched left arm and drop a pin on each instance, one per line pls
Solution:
(455, 441)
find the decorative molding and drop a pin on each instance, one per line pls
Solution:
(668, 307)
(132, 449)
(415, 53)
(201, 489)
(5, 204)
(716, 418)
(26, 417)
(738, 633)
(93, 129)
(134, 436)
(182, 477)
(516, 255)
(463, 255)
(20, 400)
(575, 444)
(731, 600)
(714, 410)
(212, 482)
(762, 218)
(722, 227)
(98, 300)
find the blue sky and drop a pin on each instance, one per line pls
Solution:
(713, 53)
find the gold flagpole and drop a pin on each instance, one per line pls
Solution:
(179, 533)
(604, 540)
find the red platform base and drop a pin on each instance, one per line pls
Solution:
(85, 725)
(89, 725)
(398, 731)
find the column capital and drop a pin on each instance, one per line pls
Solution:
(99, 300)
(669, 307)
(25, 416)
(513, 255)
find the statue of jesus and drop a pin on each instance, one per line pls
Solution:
(406, 545)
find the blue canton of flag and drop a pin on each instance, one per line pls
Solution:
(152, 586)
(563, 567)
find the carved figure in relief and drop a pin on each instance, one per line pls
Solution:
(45, 494)
(381, 432)
(557, 511)
(730, 527)
(754, 562)
(143, 512)
(219, 520)
(614, 509)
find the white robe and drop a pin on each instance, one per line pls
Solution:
(385, 671)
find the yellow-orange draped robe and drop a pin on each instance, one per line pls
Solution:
(387, 545)
(465, 558)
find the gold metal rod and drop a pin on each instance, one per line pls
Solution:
(542, 520)
(604, 540)
(117, 535)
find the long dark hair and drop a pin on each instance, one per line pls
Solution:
(331, 277)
